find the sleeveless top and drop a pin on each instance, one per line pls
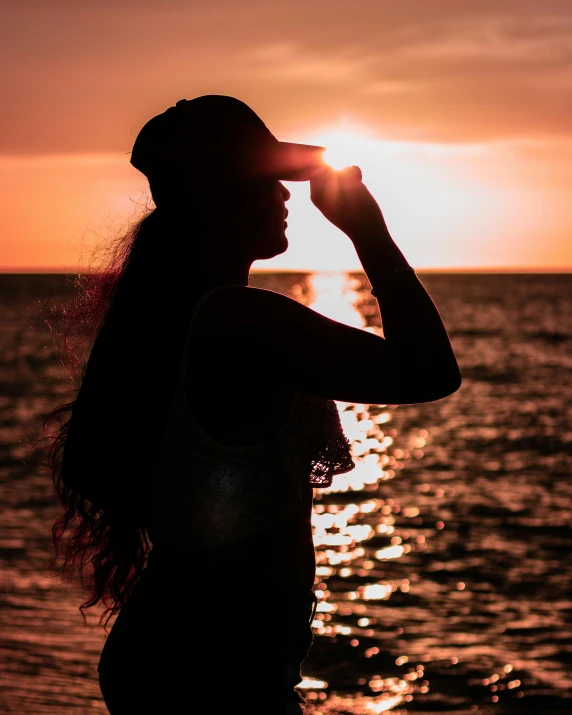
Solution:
(204, 494)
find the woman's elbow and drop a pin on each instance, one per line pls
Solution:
(431, 376)
(447, 384)
(437, 386)
(421, 380)
(453, 385)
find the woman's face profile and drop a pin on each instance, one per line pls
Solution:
(265, 218)
(248, 217)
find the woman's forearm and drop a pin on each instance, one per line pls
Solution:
(409, 317)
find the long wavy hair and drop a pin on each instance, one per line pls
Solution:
(129, 317)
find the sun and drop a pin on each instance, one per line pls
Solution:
(348, 143)
(344, 148)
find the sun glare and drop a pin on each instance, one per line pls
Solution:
(344, 148)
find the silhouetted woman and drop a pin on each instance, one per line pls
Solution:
(205, 416)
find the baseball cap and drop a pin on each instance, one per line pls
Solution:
(216, 136)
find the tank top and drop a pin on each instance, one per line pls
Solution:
(205, 494)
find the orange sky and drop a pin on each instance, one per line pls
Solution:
(460, 113)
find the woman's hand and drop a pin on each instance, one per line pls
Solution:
(345, 201)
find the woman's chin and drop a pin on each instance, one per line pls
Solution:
(278, 246)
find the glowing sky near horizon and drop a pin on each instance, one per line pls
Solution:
(459, 115)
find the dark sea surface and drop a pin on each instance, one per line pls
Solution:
(444, 558)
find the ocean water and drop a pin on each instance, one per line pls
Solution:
(444, 558)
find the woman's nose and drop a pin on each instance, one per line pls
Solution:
(285, 193)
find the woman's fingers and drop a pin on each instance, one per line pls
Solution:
(353, 172)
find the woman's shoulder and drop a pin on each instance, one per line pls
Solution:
(229, 295)
(231, 298)
(243, 313)
(229, 354)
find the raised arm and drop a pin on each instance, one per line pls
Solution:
(278, 341)
(410, 319)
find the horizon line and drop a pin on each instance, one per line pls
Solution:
(30, 270)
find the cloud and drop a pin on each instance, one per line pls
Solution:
(79, 79)
(290, 62)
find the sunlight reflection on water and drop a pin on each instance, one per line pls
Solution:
(340, 528)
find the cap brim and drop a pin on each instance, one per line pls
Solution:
(289, 162)
(270, 159)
